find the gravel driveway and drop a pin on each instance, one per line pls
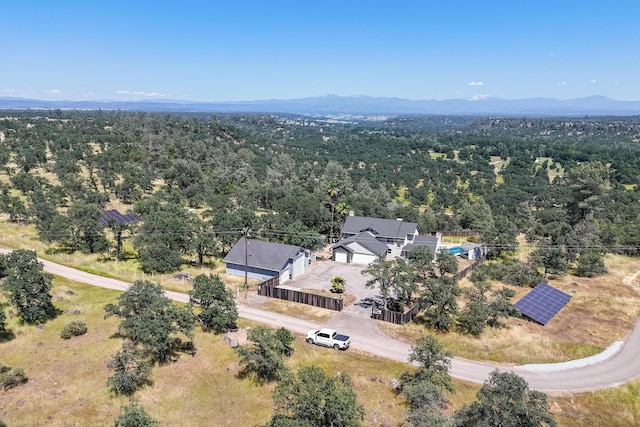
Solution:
(320, 273)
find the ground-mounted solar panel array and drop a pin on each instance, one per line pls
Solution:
(542, 303)
(113, 215)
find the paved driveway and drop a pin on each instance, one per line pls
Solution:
(320, 273)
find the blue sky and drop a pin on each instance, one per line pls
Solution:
(250, 50)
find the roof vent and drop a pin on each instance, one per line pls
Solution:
(399, 219)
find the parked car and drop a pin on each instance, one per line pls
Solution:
(328, 338)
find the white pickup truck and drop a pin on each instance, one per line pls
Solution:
(328, 338)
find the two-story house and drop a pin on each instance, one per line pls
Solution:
(365, 239)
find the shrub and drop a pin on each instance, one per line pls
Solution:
(134, 415)
(11, 377)
(73, 329)
(338, 285)
(591, 264)
(131, 371)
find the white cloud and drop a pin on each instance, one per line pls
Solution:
(593, 80)
(561, 83)
(53, 92)
(476, 84)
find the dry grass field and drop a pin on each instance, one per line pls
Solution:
(601, 311)
(67, 377)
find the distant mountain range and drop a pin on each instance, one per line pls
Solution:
(334, 105)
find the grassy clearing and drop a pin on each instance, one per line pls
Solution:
(558, 170)
(616, 407)
(401, 194)
(67, 377)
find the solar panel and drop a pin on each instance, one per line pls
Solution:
(542, 303)
(115, 216)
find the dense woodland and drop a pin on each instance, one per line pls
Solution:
(198, 181)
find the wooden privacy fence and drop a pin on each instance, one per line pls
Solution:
(395, 316)
(269, 288)
(465, 233)
(463, 273)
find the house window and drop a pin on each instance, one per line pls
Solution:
(389, 251)
(410, 237)
(398, 245)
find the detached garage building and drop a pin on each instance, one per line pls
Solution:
(264, 260)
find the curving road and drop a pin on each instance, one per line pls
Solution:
(615, 366)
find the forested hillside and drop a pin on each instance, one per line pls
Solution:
(196, 181)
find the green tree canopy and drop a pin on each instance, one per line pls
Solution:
(438, 297)
(591, 264)
(589, 186)
(134, 415)
(166, 233)
(505, 400)
(28, 286)
(313, 398)
(219, 311)
(150, 319)
(264, 357)
(393, 277)
(433, 361)
(131, 371)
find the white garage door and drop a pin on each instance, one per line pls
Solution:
(363, 259)
(340, 256)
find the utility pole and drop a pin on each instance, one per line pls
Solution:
(246, 259)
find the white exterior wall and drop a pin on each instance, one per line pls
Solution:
(284, 274)
(395, 250)
(299, 264)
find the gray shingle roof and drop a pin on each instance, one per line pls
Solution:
(381, 227)
(430, 242)
(366, 240)
(261, 254)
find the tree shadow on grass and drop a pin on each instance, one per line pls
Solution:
(7, 335)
